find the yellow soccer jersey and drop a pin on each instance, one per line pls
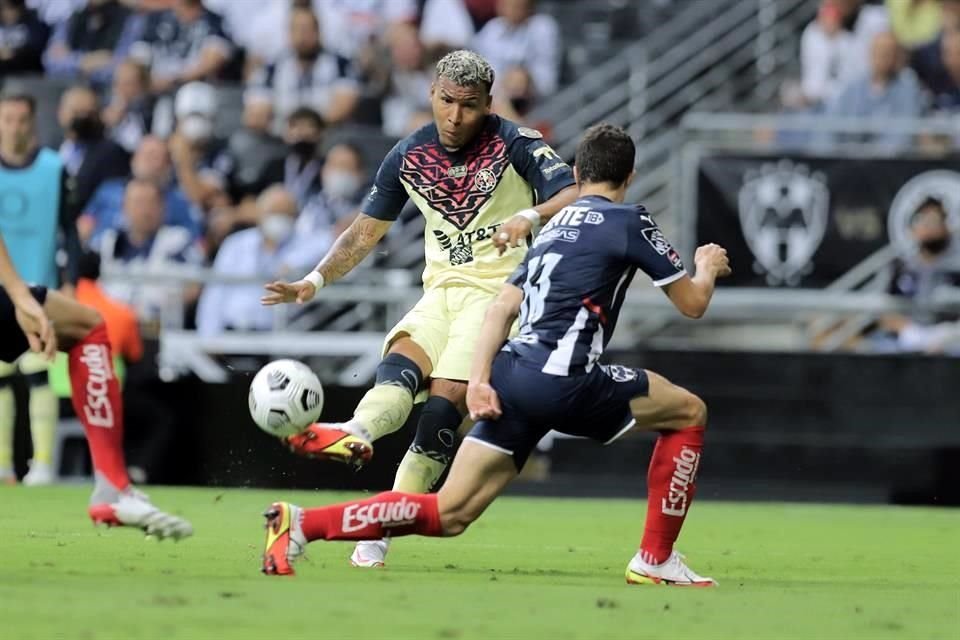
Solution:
(466, 195)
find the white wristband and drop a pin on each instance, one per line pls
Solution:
(316, 279)
(532, 215)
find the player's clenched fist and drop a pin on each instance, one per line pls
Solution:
(713, 257)
(482, 402)
(300, 292)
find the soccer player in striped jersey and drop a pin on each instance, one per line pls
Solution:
(567, 294)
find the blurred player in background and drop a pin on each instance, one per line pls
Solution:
(469, 172)
(35, 208)
(568, 294)
(43, 321)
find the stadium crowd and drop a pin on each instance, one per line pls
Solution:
(161, 172)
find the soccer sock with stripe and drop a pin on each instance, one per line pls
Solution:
(97, 403)
(671, 484)
(390, 513)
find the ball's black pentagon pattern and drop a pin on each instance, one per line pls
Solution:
(309, 399)
(277, 418)
(277, 380)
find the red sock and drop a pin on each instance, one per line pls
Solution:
(97, 403)
(671, 483)
(391, 512)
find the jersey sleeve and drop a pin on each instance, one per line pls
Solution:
(387, 196)
(649, 250)
(538, 164)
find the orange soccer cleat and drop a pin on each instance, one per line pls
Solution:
(327, 442)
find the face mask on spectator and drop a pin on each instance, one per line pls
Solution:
(304, 148)
(196, 128)
(86, 127)
(935, 246)
(276, 227)
(340, 184)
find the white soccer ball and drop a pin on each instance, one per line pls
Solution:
(285, 398)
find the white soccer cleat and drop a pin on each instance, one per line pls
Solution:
(40, 475)
(673, 572)
(370, 553)
(133, 509)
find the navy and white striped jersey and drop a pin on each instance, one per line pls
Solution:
(575, 277)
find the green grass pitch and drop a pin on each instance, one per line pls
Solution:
(530, 568)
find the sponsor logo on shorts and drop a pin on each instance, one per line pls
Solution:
(684, 475)
(388, 514)
(96, 404)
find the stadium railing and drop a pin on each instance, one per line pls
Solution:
(356, 353)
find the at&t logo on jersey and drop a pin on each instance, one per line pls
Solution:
(461, 250)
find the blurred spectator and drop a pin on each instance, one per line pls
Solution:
(150, 163)
(917, 277)
(824, 48)
(203, 166)
(834, 50)
(516, 96)
(481, 11)
(914, 22)
(260, 28)
(91, 42)
(337, 204)
(518, 37)
(299, 170)
(22, 39)
(947, 98)
(148, 244)
(309, 75)
(407, 103)
(129, 111)
(350, 27)
(88, 156)
(927, 61)
(252, 147)
(888, 90)
(185, 44)
(446, 24)
(266, 251)
(54, 12)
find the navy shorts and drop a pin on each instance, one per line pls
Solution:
(13, 343)
(593, 405)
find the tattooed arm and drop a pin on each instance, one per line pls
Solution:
(347, 252)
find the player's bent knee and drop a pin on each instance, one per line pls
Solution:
(400, 371)
(456, 521)
(695, 410)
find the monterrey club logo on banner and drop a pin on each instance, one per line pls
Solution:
(940, 184)
(783, 213)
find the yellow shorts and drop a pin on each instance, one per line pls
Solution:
(445, 323)
(26, 364)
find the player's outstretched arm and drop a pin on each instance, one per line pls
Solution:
(347, 252)
(692, 295)
(482, 401)
(31, 317)
(515, 230)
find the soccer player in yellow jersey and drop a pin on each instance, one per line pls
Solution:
(484, 185)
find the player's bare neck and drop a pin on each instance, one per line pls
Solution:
(14, 157)
(604, 190)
